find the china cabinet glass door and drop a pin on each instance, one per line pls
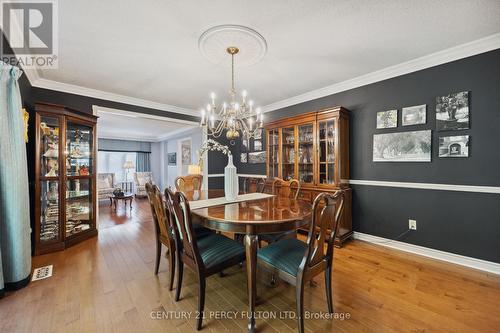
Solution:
(288, 153)
(79, 187)
(326, 142)
(273, 149)
(49, 178)
(79, 142)
(49, 210)
(78, 205)
(306, 153)
(49, 146)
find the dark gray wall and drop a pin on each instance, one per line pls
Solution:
(457, 222)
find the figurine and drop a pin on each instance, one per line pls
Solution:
(77, 187)
(45, 129)
(75, 152)
(84, 170)
(52, 195)
(52, 151)
(78, 135)
(52, 165)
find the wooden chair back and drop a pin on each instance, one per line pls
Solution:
(188, 183)
(253, 185)
(161, 218)
(286, 189)
(183, 229)
(326, 215)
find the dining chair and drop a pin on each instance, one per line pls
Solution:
(297, 262)
(188, 183)
(285, 189)
(253, 185)
(205, 256)
(163, 230)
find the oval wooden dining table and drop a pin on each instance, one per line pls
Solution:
(251, 218)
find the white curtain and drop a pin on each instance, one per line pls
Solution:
(15, 243)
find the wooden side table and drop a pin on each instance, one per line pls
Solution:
(125, 197)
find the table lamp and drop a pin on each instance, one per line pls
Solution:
(127, 166)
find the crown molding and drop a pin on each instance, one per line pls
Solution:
(123, 113)
(479, 46)
(126, 138)
(37, 81)
(159, 138)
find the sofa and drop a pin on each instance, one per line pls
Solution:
(106, 184)
(140, 180)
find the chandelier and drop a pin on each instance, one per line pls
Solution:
(233, 117)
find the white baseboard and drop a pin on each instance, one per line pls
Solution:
(482, 265)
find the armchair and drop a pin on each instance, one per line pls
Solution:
(140, 180)
(106, 184)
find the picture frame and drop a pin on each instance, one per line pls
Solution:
(387, 119)
(414, 146)
(257, 145)
(186, 152)
(172, 158)
(244, 144)
(452, 111)
(414, 115)
(257, 157)
(243, 158)
(454, 146)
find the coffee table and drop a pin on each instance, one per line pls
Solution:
(126, 196)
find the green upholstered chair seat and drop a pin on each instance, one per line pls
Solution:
(285, 255)
(215, 249)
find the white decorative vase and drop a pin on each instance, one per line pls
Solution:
(230, 180)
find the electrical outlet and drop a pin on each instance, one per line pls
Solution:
(412, 224)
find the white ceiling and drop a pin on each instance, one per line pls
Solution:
(149, 49)
(124, 125)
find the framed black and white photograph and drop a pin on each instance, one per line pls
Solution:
(414, 115)
(402, 147)
(454, 146)
(172, 158)
(387, 119)
(244, 144)
(257, 157)
(257, 145)
(258, 134)
(452, 111)
(243, 158)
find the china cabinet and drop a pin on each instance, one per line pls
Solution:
(314, 149)
(65, 177)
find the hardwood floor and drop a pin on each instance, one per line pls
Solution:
(107, 284)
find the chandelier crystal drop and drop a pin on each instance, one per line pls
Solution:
(235, 116)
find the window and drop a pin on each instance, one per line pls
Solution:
(113, 161)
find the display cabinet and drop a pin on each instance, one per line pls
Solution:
(65, 177)
(314, 149)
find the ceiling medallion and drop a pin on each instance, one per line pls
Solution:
(214, 41)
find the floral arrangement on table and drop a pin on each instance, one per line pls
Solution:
(211, 145)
